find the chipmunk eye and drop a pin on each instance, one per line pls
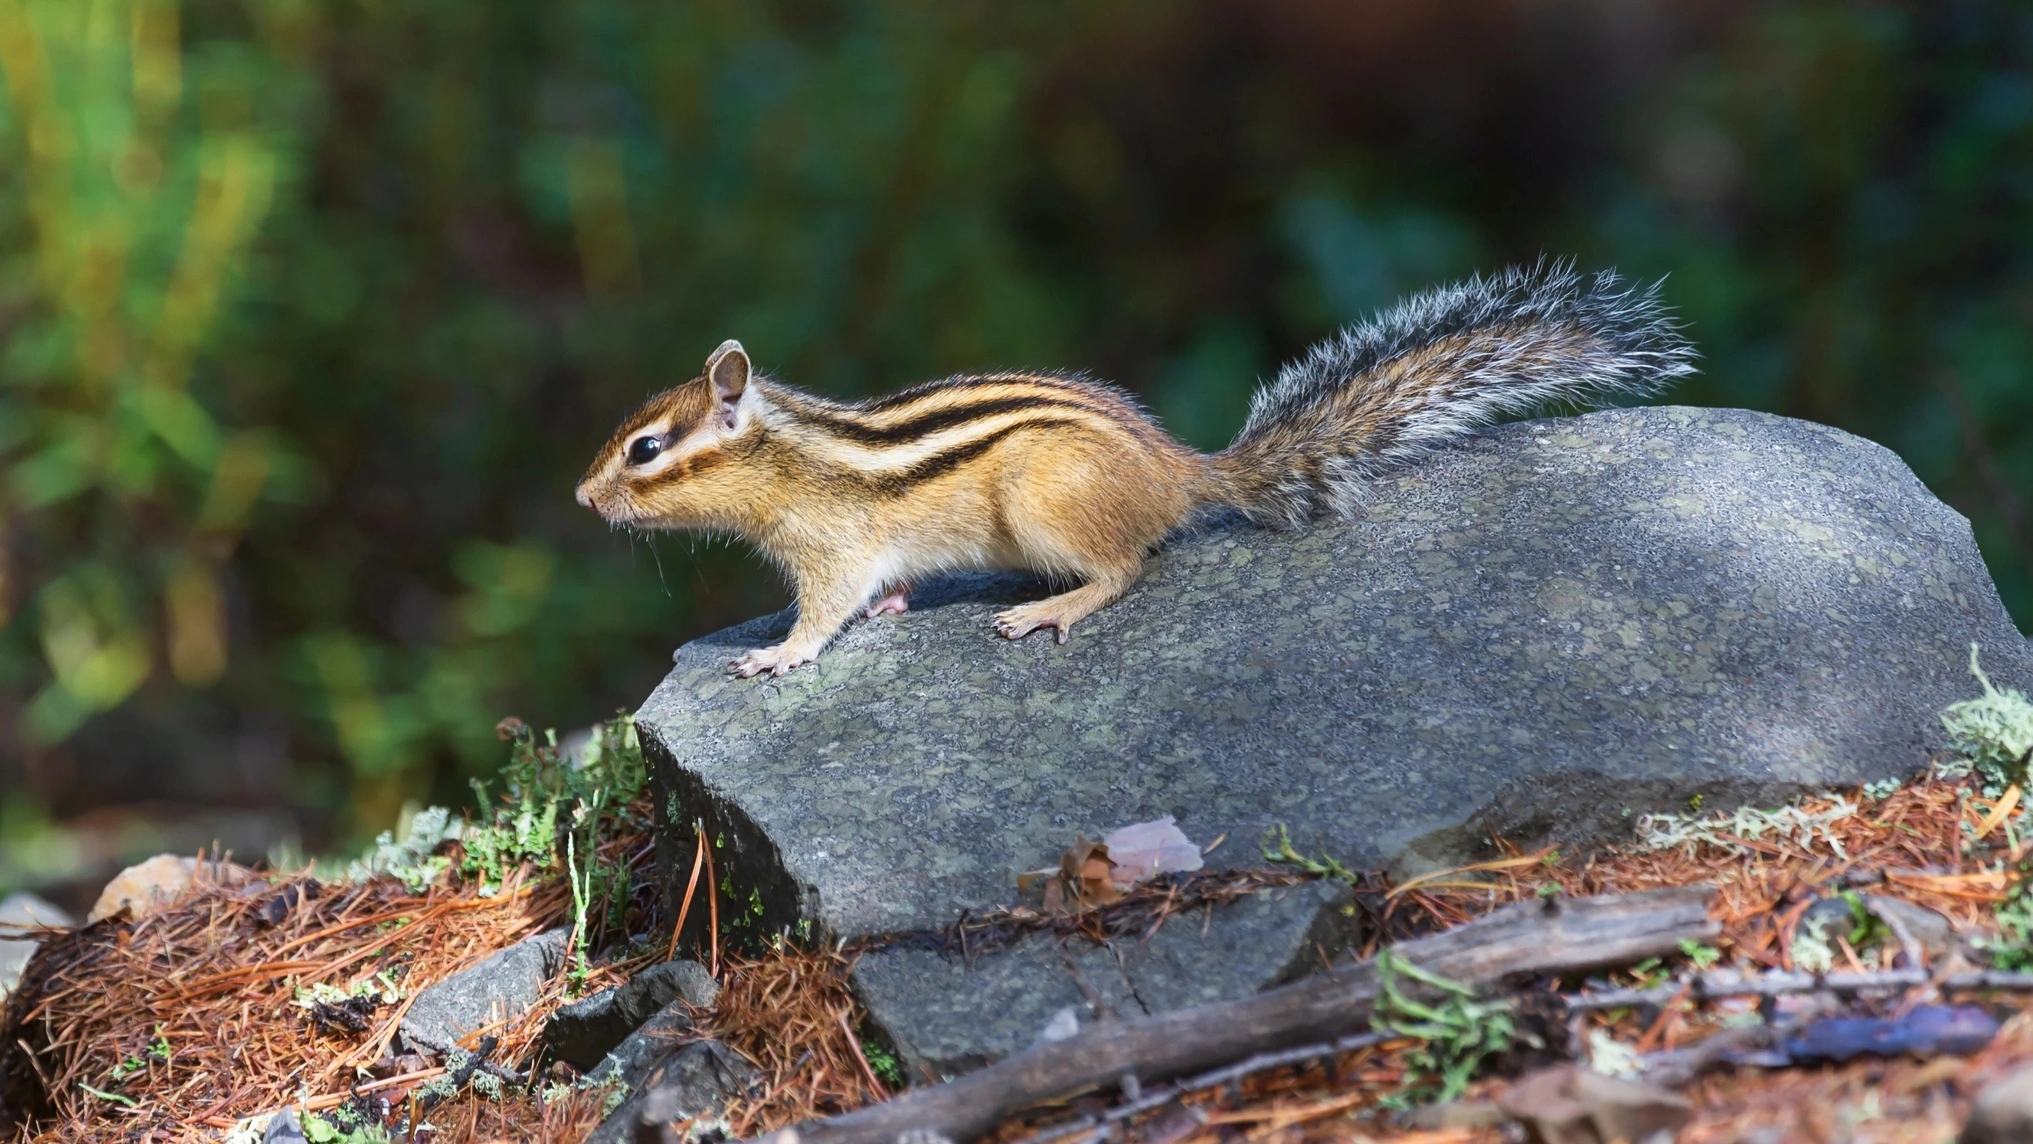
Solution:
(644, 450)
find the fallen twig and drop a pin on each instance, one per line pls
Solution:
(1678, 1068)
(450, 1052)
(1159, 1097)
(1550, 937)
(1729, 983)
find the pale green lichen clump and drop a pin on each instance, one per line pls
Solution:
(1993, 733)
(1728, 830)
(410, 860)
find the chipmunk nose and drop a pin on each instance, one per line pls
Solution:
(585, 498)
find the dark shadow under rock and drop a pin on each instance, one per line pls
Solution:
(656, 1038)
(696, 1080)
(581, 1033)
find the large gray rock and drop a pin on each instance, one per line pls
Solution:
(950, 1014)
(1546, 631)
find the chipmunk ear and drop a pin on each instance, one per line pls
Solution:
(727, 368)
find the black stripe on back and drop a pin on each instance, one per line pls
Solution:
(939, 464)
(927, 424)
(970, 381)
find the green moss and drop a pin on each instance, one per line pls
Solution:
(883, 1063)
(1277, 847)
(552, 809)
(1458, 1032)
(341, 1126)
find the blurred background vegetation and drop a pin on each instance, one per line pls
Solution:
(315, 309)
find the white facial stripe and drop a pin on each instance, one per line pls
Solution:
(653, 429)
(707, 436)
(663, 461)
(697, 443)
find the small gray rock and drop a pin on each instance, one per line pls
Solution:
(502, 986)
(1935, 933)
(698, 1079)
(1930, 928)
(283, 1129)
(146, 887)
(654, 1040)
(2003, 1112)
(20, 911)
(585, 1031)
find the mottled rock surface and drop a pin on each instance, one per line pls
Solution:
(1546, 631)
(662, 1034)
(949, 1014)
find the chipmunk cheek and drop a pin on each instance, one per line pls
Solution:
(703, 461)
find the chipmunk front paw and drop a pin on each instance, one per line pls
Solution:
(1024, 619)
(774, 660)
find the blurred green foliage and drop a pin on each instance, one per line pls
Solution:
(314, 309)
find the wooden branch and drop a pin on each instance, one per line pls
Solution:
(1553, 936)
(1729, 983)
(1673, 1068)
(1154, 1098)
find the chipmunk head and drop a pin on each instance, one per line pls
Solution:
(668, 464)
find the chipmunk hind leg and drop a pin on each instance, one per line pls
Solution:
(1060, 612)
(1082, 524)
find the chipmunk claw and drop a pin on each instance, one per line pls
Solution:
(777, 661)
(1019, 622)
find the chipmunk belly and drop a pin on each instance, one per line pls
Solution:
(952, 529)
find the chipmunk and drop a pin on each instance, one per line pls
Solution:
(1069, 478)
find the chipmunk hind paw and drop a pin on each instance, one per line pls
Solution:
(1022, 620)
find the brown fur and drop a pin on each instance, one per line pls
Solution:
(1062, 476)
(1069, 478)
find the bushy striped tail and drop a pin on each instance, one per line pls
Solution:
(1439, 366)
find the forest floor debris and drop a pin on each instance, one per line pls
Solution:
(286, 992)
